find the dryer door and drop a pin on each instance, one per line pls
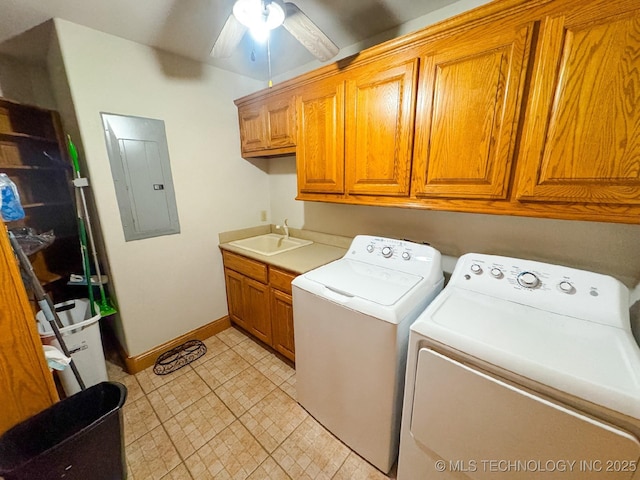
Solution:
(482, 426)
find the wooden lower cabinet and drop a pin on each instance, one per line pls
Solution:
(259, 301)
(256, 309)
(248, 302)
(282, 313)
(235, 297)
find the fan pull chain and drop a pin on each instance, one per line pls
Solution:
(269, 61)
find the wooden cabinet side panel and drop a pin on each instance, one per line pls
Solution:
(582, 141)
(320, 138)
(26, 385)
(256, 309)
(380, 105)
(282, 323)
(469, 109)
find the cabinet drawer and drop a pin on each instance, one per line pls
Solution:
(250, 268)
(281, 280)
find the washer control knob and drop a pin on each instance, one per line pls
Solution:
(387, 252)
(406, 255)
(528, 280)
(496, 273)
(370, 248)
(477, 269)
(566, 287)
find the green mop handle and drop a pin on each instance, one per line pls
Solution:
(73, 153)
(85, 264)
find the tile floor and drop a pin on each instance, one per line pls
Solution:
(231, 414)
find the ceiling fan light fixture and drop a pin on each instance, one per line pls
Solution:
(259, 16)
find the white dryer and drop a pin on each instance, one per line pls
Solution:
(351, 324)
(521, 370)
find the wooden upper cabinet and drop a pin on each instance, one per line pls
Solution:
(380, 106)
(253, 128)
(518, 107)
(281, 124)
(267, 126)
(320, 141)
(582, 137)
(469, 98)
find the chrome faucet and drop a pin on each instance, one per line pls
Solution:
(285, 227)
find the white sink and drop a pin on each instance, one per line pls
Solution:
(270, 244)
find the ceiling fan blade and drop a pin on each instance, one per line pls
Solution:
(229, 38)
(308, 33)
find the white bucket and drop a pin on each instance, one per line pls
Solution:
(81, 335)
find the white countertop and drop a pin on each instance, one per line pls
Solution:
(324, 249)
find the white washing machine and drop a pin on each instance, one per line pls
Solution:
(351, 324)
(522, 370)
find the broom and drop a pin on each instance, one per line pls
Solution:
(105, 305)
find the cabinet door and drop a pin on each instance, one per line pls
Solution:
(235, 300)
(253, 127)
(320, 141)
(281, 126)
(581, 140)
(256, 309)
(469, 98)
(380, 105)
(282, 323)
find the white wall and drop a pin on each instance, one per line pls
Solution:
(443, 13)
(25, 82)
(169, 285)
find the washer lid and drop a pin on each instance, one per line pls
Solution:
(357, 279)
(595, 362)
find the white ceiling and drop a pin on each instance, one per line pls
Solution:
(189, 27)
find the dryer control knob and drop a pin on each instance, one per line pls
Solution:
(370, 248)
(387, 252)
(566, 287)
(528, 280)
(477, 269)
(406, 255)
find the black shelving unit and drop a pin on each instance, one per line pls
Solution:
(33, 154)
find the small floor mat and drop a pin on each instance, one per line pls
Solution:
(178, 357)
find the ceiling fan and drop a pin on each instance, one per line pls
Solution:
(262, 16)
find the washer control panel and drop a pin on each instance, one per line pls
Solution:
(399, 255)
(554, 288)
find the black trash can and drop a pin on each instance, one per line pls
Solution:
(79, 438)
